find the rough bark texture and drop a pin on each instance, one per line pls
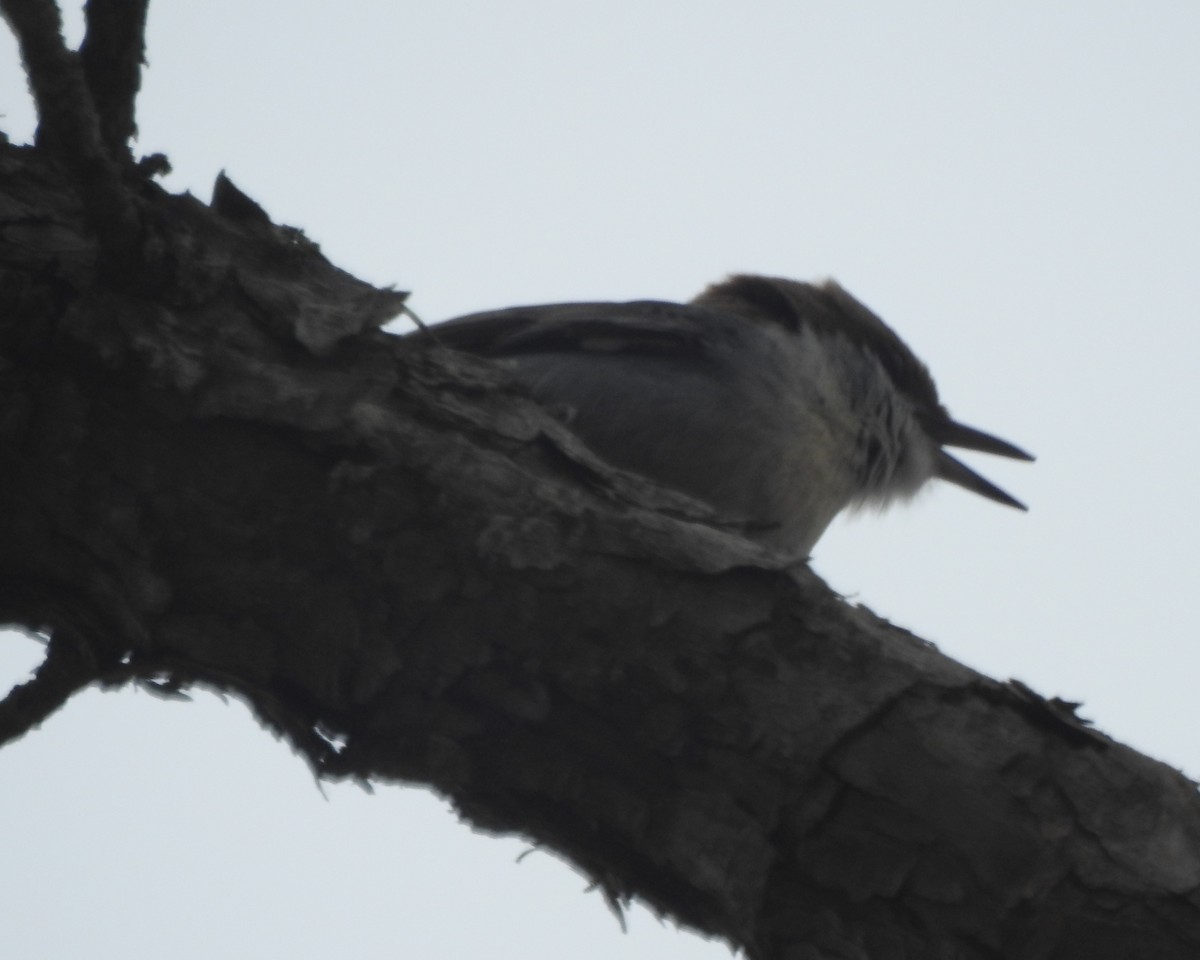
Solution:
(214, 467)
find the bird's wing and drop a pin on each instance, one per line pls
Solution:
(644, 327)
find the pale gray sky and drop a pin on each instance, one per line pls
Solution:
(1012, 186)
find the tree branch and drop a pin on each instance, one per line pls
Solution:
(413, 573)
(66, 669)
(69, 127)
(112, 53)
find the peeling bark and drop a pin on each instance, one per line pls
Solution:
(216, 468)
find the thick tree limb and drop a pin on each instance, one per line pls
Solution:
(409, 571)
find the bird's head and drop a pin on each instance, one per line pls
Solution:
(904, 428)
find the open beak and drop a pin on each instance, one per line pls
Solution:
(951, 434)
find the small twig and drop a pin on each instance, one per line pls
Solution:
(406, 311)
(67, 669)
(112, 53)
(68, 123)
(66, 115)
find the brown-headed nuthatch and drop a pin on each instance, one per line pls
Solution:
(777, 402)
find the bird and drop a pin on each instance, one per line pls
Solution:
(779, 403)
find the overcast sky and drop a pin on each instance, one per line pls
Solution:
(1014, 186)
